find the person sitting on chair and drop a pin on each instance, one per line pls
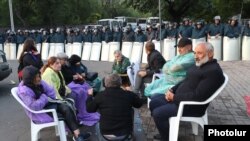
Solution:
(77, 67)
(174, 70)
(67, 73)
(154, 65)
(37, 94)
(202, 80)
(121, 63)
(78, 85)
(116, 108)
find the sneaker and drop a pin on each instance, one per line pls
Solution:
(82, 137)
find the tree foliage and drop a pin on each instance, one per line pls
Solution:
(74, 12)
(176, 9)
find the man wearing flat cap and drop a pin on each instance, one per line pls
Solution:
(202, 80)
(174, 70)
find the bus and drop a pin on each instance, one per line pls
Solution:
(111, 23)
(127, 20)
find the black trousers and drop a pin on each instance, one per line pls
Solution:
(140, 83)
(64, 112)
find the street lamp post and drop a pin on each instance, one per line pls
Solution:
(11, 16)
(160, 21)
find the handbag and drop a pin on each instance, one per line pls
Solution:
(91, 76)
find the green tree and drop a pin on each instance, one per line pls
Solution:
(176, 9)
(171, 9)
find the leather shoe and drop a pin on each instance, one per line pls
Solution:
(157, 137)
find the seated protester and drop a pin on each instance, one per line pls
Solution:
(29, 56)
(37, 94)
(51, 73)
(83, 116)
(116, 108)
(121, 63)
(90, 77)
(77, 84)
(66, 71)
(154, 65)
(174, 70)
(202, 80)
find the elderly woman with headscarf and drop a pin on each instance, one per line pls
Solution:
(37, 94)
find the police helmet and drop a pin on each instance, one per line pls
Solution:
(185, 19)
(116, 29)
(76, 30)
(217, 18)
(138, 29)
(33, 31)
(58, 29)
(171, 24)
(12, 33)
(125, 29)
(235, 18)
(51, 30)
(44, 32)
(95, 30)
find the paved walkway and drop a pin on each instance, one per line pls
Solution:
(228, 108)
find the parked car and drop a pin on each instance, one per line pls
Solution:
(5, 69)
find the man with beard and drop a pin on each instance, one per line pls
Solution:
(202, 80)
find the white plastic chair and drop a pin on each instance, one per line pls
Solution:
(35, 128)
(203, 120)
(156, 75)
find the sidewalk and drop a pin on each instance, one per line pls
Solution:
(228, 108)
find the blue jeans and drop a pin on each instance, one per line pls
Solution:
(162, 110)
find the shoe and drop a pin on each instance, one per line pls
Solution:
(82, 137)
(157, 137)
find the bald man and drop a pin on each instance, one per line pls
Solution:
(202, 80)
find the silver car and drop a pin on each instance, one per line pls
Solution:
(5, 69)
